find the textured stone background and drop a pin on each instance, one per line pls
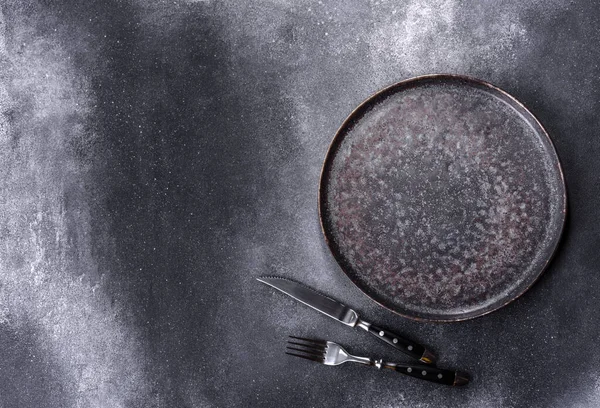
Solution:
(158, 156)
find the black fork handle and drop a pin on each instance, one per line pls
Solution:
(429, 373)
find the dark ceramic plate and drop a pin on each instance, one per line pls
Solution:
(442, 198)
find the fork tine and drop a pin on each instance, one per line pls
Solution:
(308, 346)
(308, 349)
(313, 341)
(309, 357)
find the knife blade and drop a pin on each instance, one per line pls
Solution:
(346, 315)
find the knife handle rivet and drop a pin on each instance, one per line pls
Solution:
(395, 341)
(424, 372)
(381, 333)
(410, 348)
(440, 376)
(409, 370)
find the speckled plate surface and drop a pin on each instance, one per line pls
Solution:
(442, 198)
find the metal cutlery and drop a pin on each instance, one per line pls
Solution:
(347, 316)
(332, 354)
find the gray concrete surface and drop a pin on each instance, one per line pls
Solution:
(156, 157)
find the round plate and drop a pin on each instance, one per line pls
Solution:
(442, 198)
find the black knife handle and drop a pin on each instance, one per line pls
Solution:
(400, 343)
(429, 373)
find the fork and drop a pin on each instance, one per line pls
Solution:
(330, 353)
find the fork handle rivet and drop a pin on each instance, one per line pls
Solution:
(410, 348)
(409, 370)
(424, 372)
(381, 333)
(395, 341)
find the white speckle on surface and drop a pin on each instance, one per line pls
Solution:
(437, 36)
(46, 254)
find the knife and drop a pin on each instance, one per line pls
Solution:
(347, 316)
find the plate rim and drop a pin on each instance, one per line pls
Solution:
(346, 124)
